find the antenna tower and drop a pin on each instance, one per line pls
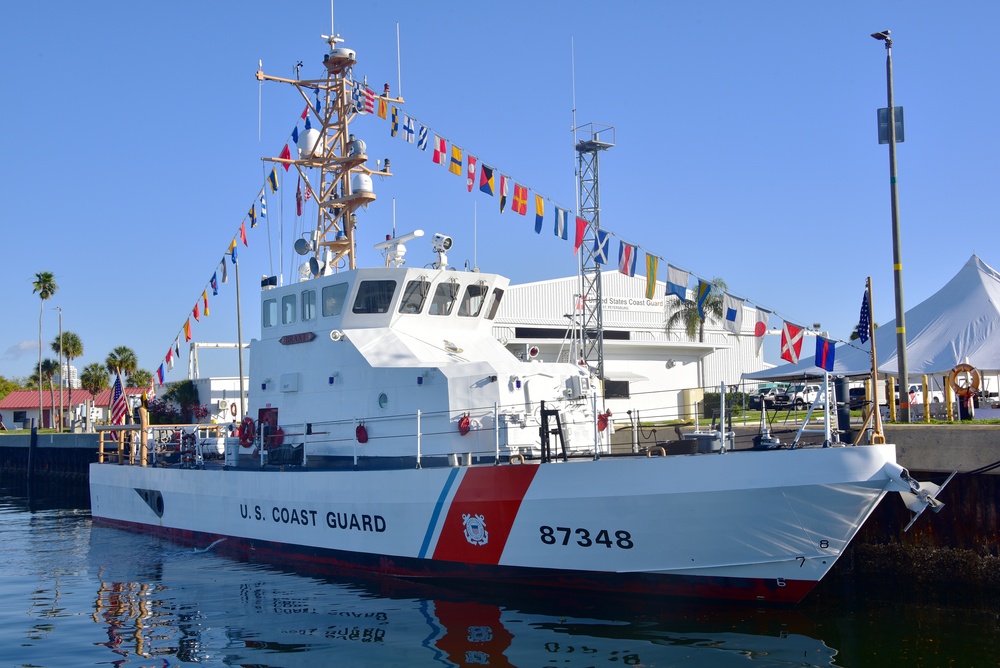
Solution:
(602, 137)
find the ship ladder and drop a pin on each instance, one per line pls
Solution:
(545, 433)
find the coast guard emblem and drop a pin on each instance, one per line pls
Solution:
(475, 529)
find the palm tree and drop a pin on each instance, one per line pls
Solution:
(185, 395)
(71, 347)
(95, 378)
(121, 360)
(49, 369)
(694, 324)
(44, 286)
(140, 378)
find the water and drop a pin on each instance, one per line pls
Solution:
(72, 594)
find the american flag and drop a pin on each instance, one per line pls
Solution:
(118, 404)
(864, 322)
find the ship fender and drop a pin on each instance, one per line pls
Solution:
(246, 432)
(361, 433)
(464, 425)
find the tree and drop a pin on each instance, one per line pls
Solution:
(49, 369)
(185, 395)
(8, 385)
(44, 286)
(140, 378)
(121, 360)
(694, 324)
(95, 378)
(71, 347)
(854, 332)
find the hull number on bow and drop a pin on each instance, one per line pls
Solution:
(585, 537)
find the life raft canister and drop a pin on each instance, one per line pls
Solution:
(464, 425)
(246, 432)
(964, 379)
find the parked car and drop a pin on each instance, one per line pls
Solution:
(764, 398)
(857, 398)
(797, 396)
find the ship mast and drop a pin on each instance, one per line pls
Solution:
(341, 180)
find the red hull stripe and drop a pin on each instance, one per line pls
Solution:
(481, 515)
(437, 512)
(337, 563)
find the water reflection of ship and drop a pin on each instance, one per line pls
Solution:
(198, 608)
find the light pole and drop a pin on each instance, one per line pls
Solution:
(897, 261)
(61, 374)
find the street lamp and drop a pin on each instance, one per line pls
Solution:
(61, 374)
(897, 262)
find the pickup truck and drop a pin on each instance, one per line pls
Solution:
(798, 396)
(917, 394)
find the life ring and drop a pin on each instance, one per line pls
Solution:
(464, 425)
(602, 420)
(246, 432)
(232, 409)
(276, 438)
(361, 433)
(964, 379)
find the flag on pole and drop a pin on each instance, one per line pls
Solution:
(204, 299)
(602, 243)
(704, 289)
(160, 374)
(232, 253)
(177, 347)
(194, 311)
(677, 282)
(561, 228)
(486, 183)
(187, 330)
(422, 138)
(455, 167)
(440, 149)
(170, 358)
(732, 313)
(243, 233)
(252, 214)
(760, 329)
(651, 265)
(272, 180)
(383, 108)
(826, 352)
(581, 231)
(626, 258)
(520, 204)
(285, 155)
(791, 342)
(215, 284)
(408, 132)
(539, 213)
(295, 134)
(369, 100)
(394, 123)
(298, 197)
(119, 404)
(225, 271)
(865, 320)
(470, 171)
(263, 204)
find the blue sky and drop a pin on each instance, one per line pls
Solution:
(745, 149)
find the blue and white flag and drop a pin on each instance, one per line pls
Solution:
(677, 282)
(561, 229)
(865, 320)
(422, 138)
(602, 240)
(408, 128)
(732, 313)
(263, 204)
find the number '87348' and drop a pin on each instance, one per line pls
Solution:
(585, 537)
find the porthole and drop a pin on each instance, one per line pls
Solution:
(383, 400)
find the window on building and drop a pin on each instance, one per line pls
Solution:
(288, 307)
(308, 304)
(374, 296)
(269, 313)
(334, 297)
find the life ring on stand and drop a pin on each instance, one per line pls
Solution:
(361, 433)
(464, 425)
(246, 432)
(964, 379)
(602, 420)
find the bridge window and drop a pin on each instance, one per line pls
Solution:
(288, 309)
(374, 296)
(334, 297)
(494, 303)
(414, 295)
(473, 300)
(269, 313)
(308, 304)
(444, 298)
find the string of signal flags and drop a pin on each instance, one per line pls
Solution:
(492, 182)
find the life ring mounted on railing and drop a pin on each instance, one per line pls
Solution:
(246, 432)
(965, 379)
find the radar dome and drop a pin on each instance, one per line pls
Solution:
(361, 183)
(308, 142)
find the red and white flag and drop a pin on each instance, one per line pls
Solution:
(470, 171)
(369, 100)
(760, 328)
(119, 406)
(440, 148)
(791, 342)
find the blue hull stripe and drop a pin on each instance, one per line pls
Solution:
(437, 513)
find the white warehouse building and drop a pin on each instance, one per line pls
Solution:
(643, 362)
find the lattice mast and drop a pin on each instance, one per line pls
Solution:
(602, 137)
(341, 180)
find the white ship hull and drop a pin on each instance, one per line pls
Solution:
(752, 525)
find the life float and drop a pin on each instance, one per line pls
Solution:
(964, 379)
(602, 420)
(464, 425)
(232, 409)
(246, 432)
(361, 433)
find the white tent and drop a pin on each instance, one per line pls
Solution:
(958, 323)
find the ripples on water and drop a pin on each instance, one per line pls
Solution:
(78, 595)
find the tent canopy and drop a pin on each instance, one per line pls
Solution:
(958, 323)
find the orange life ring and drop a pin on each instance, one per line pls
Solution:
(464, 425)
(964, 379)
(246, 432)
(232, 409)
(361, 433)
